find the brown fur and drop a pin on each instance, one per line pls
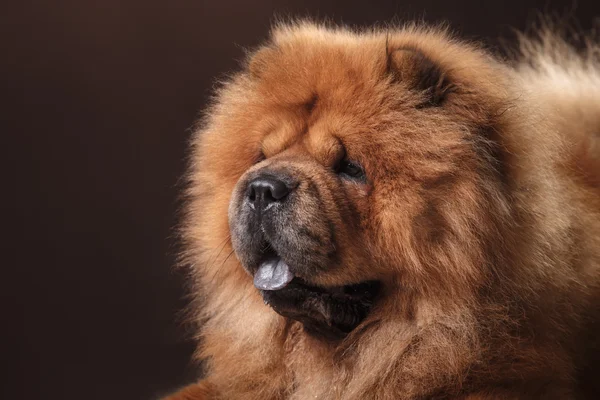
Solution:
(480, 216)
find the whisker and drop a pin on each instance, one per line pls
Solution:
(218, 270)
(218, 251)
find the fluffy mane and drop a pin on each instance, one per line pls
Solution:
(485, 234)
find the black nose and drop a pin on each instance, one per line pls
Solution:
(266, 190)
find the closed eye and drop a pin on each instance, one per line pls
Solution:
(260, 157)
(348, 169)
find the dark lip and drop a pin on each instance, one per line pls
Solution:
(366, 290)
(330, 313)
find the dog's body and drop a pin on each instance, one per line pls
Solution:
(420, 221)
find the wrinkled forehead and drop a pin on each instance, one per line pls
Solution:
(325, 127)
(319, 94)
(325, 139)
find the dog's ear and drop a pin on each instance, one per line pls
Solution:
(419, 72)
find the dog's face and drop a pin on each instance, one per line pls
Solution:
(358, 171)
(298, 226)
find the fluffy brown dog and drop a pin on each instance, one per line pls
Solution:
(395, 214)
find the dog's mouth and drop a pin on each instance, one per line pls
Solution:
(328, 311)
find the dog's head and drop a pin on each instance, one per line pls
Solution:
(355, 167)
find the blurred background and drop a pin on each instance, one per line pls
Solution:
(97, 101)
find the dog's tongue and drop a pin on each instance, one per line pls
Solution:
(273, 274)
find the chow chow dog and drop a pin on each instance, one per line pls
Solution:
(398, 214)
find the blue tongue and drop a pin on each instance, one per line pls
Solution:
(272, 274)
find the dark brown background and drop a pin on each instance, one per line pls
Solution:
(97, 101)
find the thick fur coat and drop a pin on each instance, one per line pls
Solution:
(467, 187)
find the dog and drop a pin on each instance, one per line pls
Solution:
(396, 213)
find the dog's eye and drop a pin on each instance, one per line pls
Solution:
(351, 169)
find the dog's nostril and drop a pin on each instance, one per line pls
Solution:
(264, 191)
(251, 194)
